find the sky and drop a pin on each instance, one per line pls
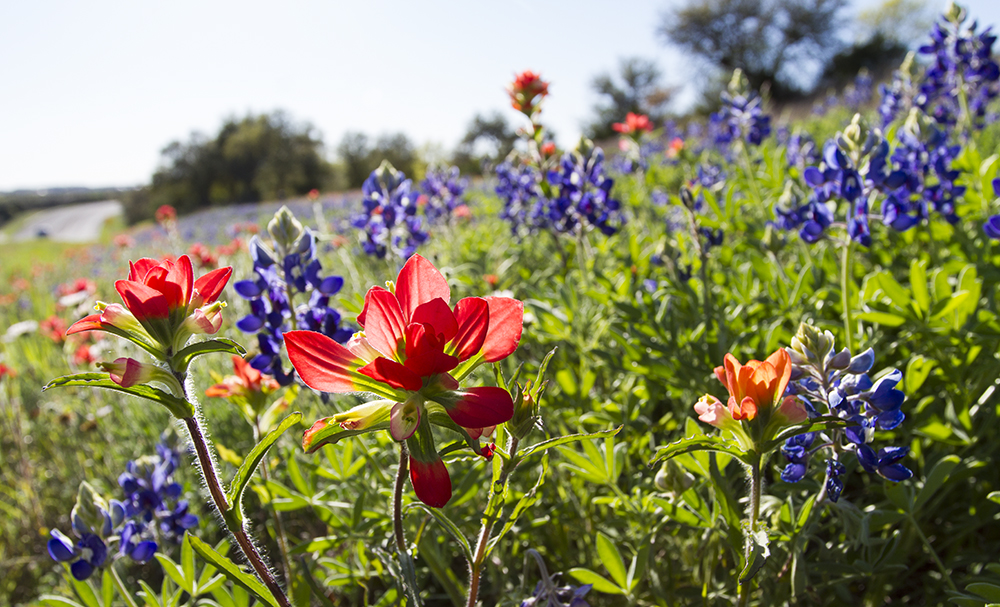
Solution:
(92, 91)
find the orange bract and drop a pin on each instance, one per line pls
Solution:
(755, 386)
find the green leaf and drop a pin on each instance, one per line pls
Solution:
(599, 582)
(83, 590)
(918, 284)
(232, 571)
(882, 318)
(703, 442)
(565, 440)
(893, 289)
(251, 462)
(107, 588)
(526, 501)
(611, 559)
(177, 406)
(949, 305)
(937, 476)
(182, 359)
(449, 526)
(759, 551)
(175, 571)
(57, 601)
(994, 496)
(917, 371)
(989, 592)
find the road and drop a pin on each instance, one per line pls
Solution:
(72, 223)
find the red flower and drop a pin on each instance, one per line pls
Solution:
(5, 370)
(634, 123)
(758, 387)
(164, 305)
(414, 350)
(166, 213)
(527, 86)
(245, 382)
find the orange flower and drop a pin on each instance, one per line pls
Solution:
(246, 381)
(756, 387)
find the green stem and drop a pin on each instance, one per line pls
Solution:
(845, 293)
(934, 554)
(397, 498)
(122, 590)
(755, 489)
(751, 178)
(493, 508)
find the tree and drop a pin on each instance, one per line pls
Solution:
(487, 140)
(259, 157)
(640, 92)
(360, 157)
(770, 40)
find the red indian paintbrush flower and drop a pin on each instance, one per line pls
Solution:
(414, 351)
(163, 305)
(757, 404)
(527, 86)
(634, 123)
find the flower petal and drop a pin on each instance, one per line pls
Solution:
(364, 311)
(481, 407)
(322, 363)
(385, 328)
(419, 282)
(137, 270)
(506, 324)
(88, 323)
(208, 287)
(438, 315)
(392, 373)
(142, 301)
(430, 481)
(473, 315)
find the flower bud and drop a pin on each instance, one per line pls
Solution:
(840, 360)
(672, 479)
(285, 230)
(525, 413)
(90, 513)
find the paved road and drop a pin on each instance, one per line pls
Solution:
(72, 223)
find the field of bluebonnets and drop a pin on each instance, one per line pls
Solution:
(574, 327)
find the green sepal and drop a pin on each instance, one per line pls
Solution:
(180, 361)
(232, 571)
(702, 442)
(178, 407)
(252, 460)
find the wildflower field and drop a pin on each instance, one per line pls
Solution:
(749, 361)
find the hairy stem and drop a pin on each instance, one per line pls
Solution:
(493, 508)
(219, 498)
(755, 488)
(397, 498)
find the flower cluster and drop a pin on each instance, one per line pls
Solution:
(152, 501)
(581, 194)
(835, 383)
(757, 407)
(550, 595)
(444, 191)
(961, 66)
(741, 116)
(163, 307)
(527, 92)
(414, 351)
(992, 225)
(389, 219)
(289, 270)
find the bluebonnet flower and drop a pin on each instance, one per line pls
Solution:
(992, 225)
(837, 383)
(961, 63)
(444, 190)
(389, 220)
(582, 193)
(858, 94)
(518, 187)
(289, 270)
(573, 196)
(930, 179)
(741, 116)
(897, 97)
(94, 521)
(152, 499)
(801, 151)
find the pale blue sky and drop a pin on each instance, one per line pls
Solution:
(93, 90)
